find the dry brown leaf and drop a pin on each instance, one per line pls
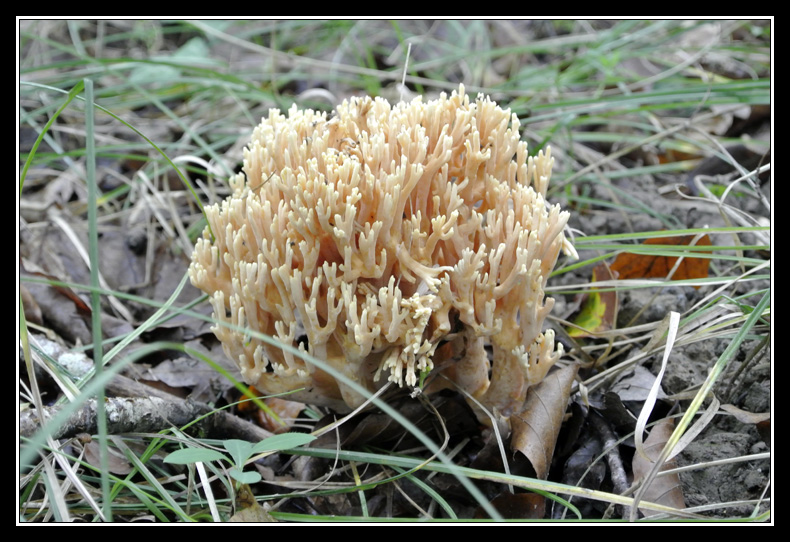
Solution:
(31, 308)
(61, 314)
(664, 490)
(764, 428)
(761, 420)
(744, 416)
(286, 411)
(645, 266)
(517, 506)
(536, 427)
(116, 462)
(26, 267)
(378, 427)
(637, 386)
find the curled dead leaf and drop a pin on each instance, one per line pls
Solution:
(631, 265)
(537, 426)
(664, 489)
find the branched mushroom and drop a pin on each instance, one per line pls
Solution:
(390, 242)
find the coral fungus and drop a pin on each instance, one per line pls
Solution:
(390, 242)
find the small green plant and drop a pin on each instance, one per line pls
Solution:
(240, 452)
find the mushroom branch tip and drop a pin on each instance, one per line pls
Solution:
(392, 242)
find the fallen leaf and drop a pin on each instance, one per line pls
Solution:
(582, 468)
(377, 427)
(744, 416)
(31, 308)
(79, 304)
(116, 463)
(271, 420)
(286, 411)
(599, 309)
(631, 265)
(637, 386)
(537, 426)
(764, 429)
(666, 489)
(181, 372)
(517, 506)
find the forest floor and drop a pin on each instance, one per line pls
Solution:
(659, 129)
